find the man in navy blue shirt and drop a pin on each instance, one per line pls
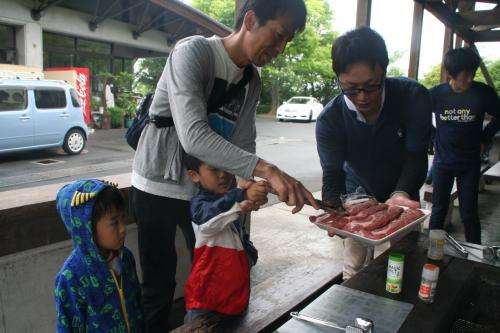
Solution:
(374, 136)
(460, 106)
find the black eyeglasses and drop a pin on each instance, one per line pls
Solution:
(370, 88)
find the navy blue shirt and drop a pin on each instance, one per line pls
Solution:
(459, 123)
(206, 205)
(387, 156)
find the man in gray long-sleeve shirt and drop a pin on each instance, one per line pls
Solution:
(197, 71)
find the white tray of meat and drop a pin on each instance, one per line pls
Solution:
(371, 222)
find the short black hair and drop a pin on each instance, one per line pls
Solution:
(461, 59)
(272, 9)
(362, 45)
(109, 198)
(191, 162)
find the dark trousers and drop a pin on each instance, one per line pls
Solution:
(157, 218)
(468, 188)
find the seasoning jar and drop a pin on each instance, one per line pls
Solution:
(427, 290)
(436, 244)
(394, 282)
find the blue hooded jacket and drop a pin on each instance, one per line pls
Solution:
(87, 297)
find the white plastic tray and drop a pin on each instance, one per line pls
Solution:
(369, 241)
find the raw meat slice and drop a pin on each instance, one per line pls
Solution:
(356, 208)
(406, 218)
(369, 211)
(339, 223)
(377, 220)
(316, 218)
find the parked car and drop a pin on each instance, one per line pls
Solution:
(38, 114)
(299, 108)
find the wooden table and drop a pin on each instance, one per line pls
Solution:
(454, 285)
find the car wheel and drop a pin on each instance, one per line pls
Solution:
(280, 120)
(74, 142)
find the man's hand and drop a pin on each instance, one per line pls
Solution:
(402, 199)
(287, 188)
(257, 192)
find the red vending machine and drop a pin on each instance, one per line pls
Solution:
(79, 78)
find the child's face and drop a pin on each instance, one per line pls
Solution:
(212, 179)
(110, 230)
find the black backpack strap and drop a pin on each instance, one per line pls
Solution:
(218, 101)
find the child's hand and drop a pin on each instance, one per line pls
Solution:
(247, 206)
(257, 192)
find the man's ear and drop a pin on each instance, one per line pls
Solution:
(195, 177)
(250, 21)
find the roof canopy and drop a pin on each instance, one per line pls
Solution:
(470, 24)
(173, 17)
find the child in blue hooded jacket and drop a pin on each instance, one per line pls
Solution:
(97, 289)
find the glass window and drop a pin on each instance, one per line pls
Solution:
(54, 59)
(13, 98)
(128, 65)
(74, 98)
(298, 100)
(7, 56)
(51, 41)
(7, 44)
(46, 98)
(7, 37)
(117, 65)
(93, 47)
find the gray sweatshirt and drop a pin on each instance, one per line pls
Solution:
(182, 93)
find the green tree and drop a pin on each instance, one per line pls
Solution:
(432, 77)
(149, 72)
(221, 10)
(305, 66)
(393, 70)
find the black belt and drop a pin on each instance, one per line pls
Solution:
(161, 121)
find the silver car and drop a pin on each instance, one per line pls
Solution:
(38, 114)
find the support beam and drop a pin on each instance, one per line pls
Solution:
(107, 14)
(447, 15)
(488, 36)
(194, 16)
(416, 40)
(151, 23)
(363, 13)
(483, 68)
(463, 6)
(447, 44)
(36, 13)
(482, 17)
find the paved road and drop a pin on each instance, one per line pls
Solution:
(291, 146)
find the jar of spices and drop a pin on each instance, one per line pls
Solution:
(436, 244)
(394, 282)
(427, 290)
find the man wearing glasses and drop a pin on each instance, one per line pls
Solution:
(372, 137)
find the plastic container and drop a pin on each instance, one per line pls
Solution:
(395, 265)
(436, 244)
(427, 290)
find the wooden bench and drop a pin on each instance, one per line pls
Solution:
(271, 302)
